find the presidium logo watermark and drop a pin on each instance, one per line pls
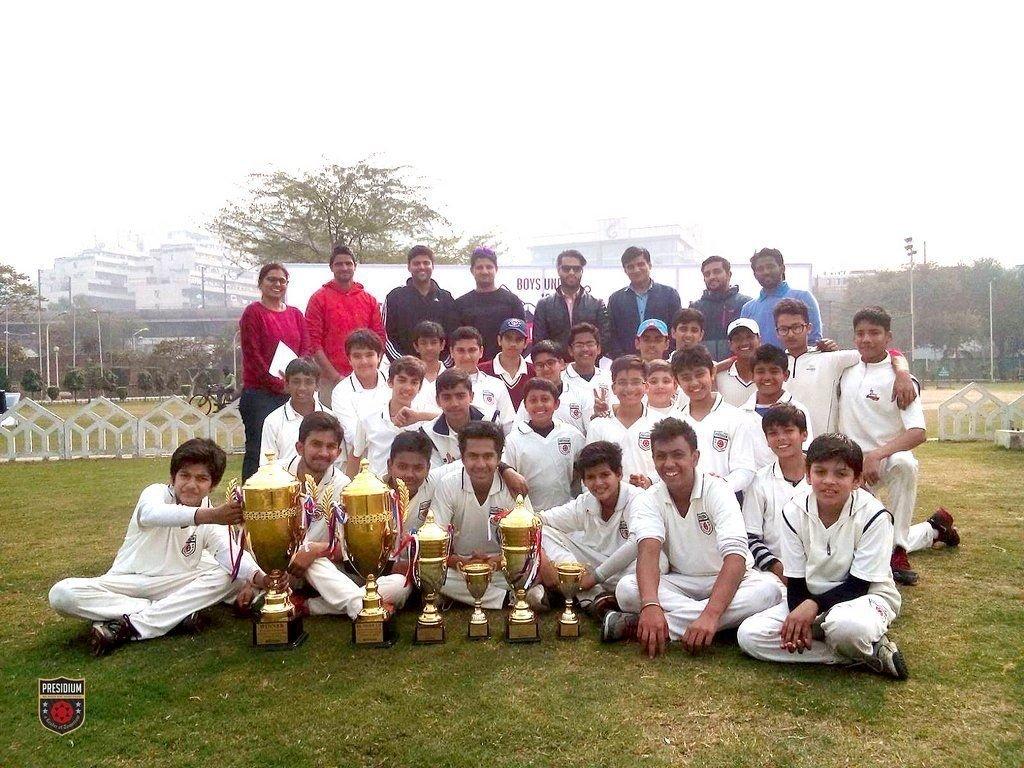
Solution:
(61, 704)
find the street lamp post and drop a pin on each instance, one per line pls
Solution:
(56, 365)
(135, 339)
(911, 253)
(99, 338)
(47, 354)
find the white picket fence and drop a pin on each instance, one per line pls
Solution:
(974, 413)
(102, 428)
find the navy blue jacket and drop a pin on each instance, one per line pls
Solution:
(662, 302)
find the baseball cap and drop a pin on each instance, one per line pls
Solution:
(654, 323)
(513, 324)
(743, 322)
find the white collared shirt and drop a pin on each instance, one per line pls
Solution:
(601, 379)
(697, 544)
(333, 477)
(867, 413)
(455, 504)
(734, 389)
(858, 544)
(763, 455)
(763, 501)
(446, 439)
(724, 442)
(490, 392)
(635, 441)
(575, 408)
(351, 402)
(421, 502)
(281, 431)
(509, 378)
(546, 462)
(374, 434)
(813, 377)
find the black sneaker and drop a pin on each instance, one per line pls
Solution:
(192, 624)
(107, 636)
(942, 522)
(902, 573)
(599, 607)
(619, 625)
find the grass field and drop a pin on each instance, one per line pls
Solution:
(211, 699)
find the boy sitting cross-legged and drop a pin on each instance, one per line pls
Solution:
(159, 579)
(840, 594)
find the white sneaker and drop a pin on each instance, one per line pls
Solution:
(886, 659)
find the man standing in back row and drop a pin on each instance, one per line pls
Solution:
(570, 304)
(770, 271)
(720, 304)
(421, 298)
(487, 306)
(643, 299)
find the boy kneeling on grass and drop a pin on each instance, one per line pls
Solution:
(159, 579)
(840, 594)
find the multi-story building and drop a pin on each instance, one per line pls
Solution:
(668, 244)
(102, 274)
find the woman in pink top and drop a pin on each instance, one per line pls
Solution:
(265, 324)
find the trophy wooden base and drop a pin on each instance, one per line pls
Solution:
(375, 634)
(428, 634)
(278, 635)
(567, 631)
(480, 631)
(522, 632)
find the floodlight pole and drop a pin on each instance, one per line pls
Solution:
(991, 338)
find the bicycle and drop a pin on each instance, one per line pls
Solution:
(214, 399)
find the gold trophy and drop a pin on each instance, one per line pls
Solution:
(432, 546)
(373, 514)
(519, 535)
(478, 578)
(273, 528)
(569, 575)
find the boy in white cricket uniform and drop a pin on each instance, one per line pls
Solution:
(319, 443)
(467, 500)
(695, 520)
(785, 430)
(661, 399)
(575, 406)
(363, 391)
(544, 449)
(651, 340)
(428, 339)
(281, 427)
(771, 369)
(736, 383)
(840, 594)
(723, 432)
(489, 393)
(454, 398)
(583, 374)
(629, 424)
(160, 577)
(377, 430)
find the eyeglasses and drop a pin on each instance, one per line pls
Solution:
(276, 280)
(786, 330)
(568, 268)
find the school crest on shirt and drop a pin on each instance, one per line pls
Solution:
(448, 458)
(706, 527)
(644, 440)
(424, 508)
(872, 395)
(564, 445)
(190, 546)
(575, 412)
(720, 441)
(488, 397)
(624, 529)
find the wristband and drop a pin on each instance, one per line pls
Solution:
(649, 603)
(502, 466)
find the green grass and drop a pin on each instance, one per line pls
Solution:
(213, 700)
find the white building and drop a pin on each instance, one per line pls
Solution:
(669, 244)
(102, 274)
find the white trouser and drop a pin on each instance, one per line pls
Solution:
(684, 598)
(898, 480)
(921, 536)
(340, 594)
(154, 604)
(851, 630)
(455, 588)
(562, 548)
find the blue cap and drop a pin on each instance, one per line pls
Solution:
(514, 324)
(654, 323)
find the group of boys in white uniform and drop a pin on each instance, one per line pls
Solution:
(657, 526)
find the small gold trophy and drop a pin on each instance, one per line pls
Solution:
(373, 512)
(519, 535)
(569, 575)
(432, 544)
(273, 527)
(478, 578)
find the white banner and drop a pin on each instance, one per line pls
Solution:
(529, 283)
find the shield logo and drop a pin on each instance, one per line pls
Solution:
(190, 546)
(424, 508)
(61, 704)
(623, 529)
(575, 412)
(705, 524)
(644, 440)
(564, 445)
(720, 441)
(489, 398)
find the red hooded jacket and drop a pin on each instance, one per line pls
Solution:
(332, 314)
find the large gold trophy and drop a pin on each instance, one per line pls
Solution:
(519, 535)
(372, 524)
(433, 544)
(273, 529)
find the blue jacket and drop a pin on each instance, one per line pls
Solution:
(761, 309)
(662, 302)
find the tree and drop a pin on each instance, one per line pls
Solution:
(93, 378)
(16, 291)
(144, 381)
(192, 356)
(376, 211)
(30, 381)
(74, 382)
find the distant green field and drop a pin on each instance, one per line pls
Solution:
(213, 700)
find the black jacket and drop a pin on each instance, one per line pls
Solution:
(719, 309)
(551, 318)
(487, 311)
(662, 303)
(404, 307)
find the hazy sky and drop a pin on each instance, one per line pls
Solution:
(829, 132)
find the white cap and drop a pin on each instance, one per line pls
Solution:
(743, 322)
